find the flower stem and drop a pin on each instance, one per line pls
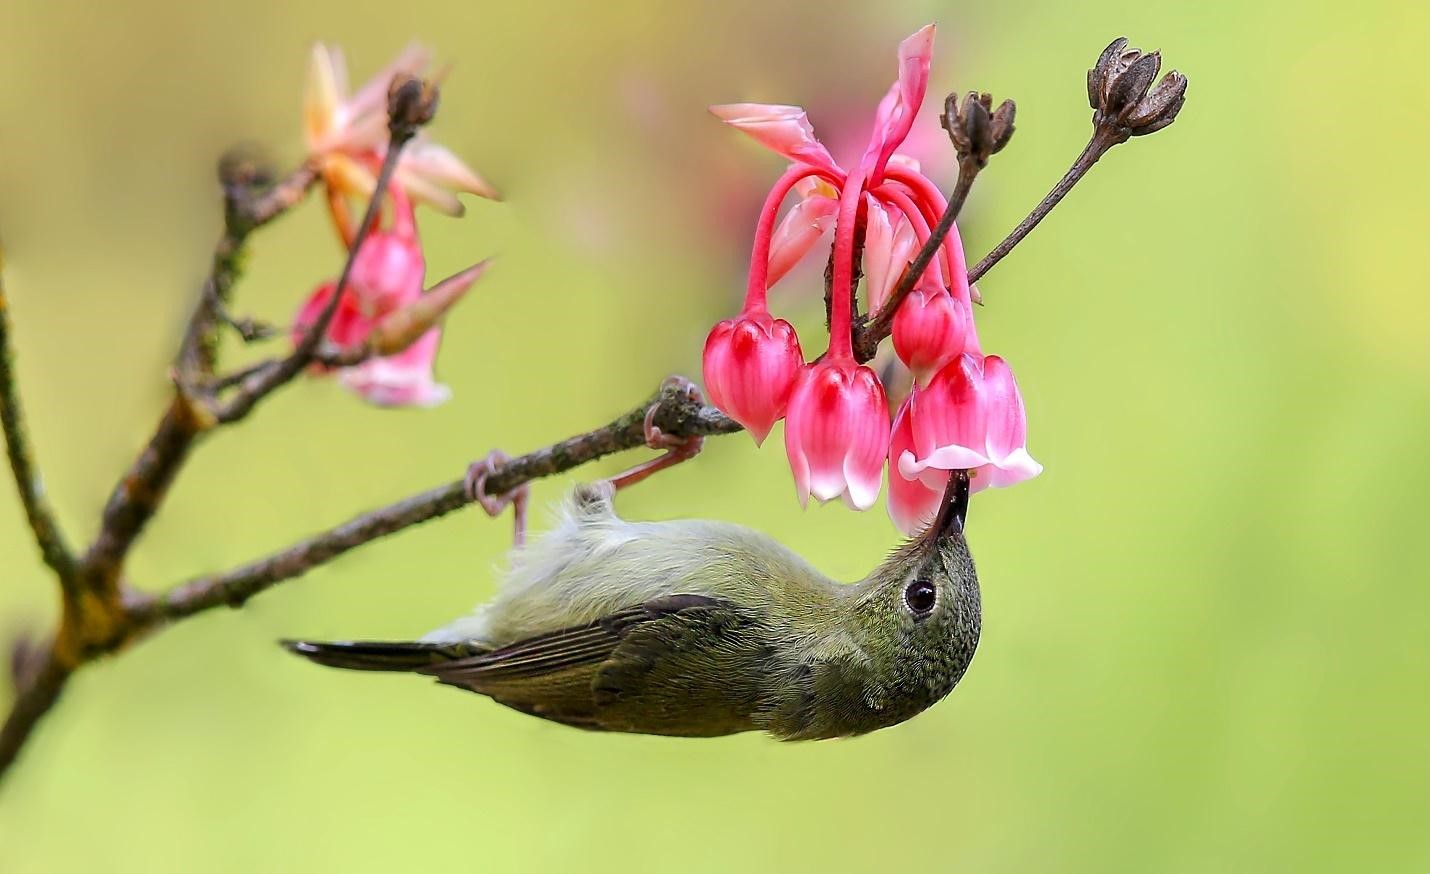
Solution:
(1103, 139)
(916, 218)
(841, 317)
(756, 290)
(872, 333)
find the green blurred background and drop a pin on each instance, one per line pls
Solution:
(1205, 641)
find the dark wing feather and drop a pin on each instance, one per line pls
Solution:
(563, 649)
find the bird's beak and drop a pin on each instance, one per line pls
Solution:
(954, 510)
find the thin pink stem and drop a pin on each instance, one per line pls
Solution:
(841, 318)
(755, 291)
(901, 199)
(932, 203)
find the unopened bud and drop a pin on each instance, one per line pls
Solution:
(411, 103)
(976, 129)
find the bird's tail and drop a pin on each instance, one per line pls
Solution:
(371, 655)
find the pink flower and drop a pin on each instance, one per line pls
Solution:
(963, 413)
(389, 268)
(889, 245)
(931, 329)
(903, 203)
(837, 433)
(347, 134)
(401, 380)
(912, 503)
(386, 281)
(751, 363)
(969, 418)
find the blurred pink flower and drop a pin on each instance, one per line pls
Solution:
(837, 433)
(347, 134)
(389, 268)
(386, 278)
(401, 380)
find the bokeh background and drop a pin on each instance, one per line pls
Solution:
(1205, 643)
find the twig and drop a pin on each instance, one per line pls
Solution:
(278, 372)
(36, 693)
(245, 211)
(677, 415)
(868, 336)
(22, 463)
(1103, 139)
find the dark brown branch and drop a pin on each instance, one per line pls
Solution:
(1103, 139)
(678, 415)
(38, 511)
(37, 688)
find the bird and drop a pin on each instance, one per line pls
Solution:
(692, 628)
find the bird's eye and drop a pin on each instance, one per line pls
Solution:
(921, 595)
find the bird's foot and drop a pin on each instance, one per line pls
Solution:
(476, 488)
(677, 448)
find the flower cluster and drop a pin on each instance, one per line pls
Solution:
(347, 140)
(964, 411)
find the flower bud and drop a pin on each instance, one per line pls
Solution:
(930, 330)
(976, 129)
(411, 103)
(751, 363)
(837, 433)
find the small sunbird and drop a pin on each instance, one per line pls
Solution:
(699, 629)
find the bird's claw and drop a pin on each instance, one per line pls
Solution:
(475, 485)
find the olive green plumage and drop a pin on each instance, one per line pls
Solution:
(698, 629)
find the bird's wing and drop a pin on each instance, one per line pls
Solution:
(664, 667)
(702, 672)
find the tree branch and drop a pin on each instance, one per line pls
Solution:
(245, 211)
(38, 511)
(137, 495)
(37, 689)
(677, 415)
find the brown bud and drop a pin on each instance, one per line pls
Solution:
(977, 131)
(1117, 89)
(411, 103)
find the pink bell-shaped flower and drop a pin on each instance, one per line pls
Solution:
(751, 363)
(930, 329)
(912, 501)
(837, 433)
(969, 418)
